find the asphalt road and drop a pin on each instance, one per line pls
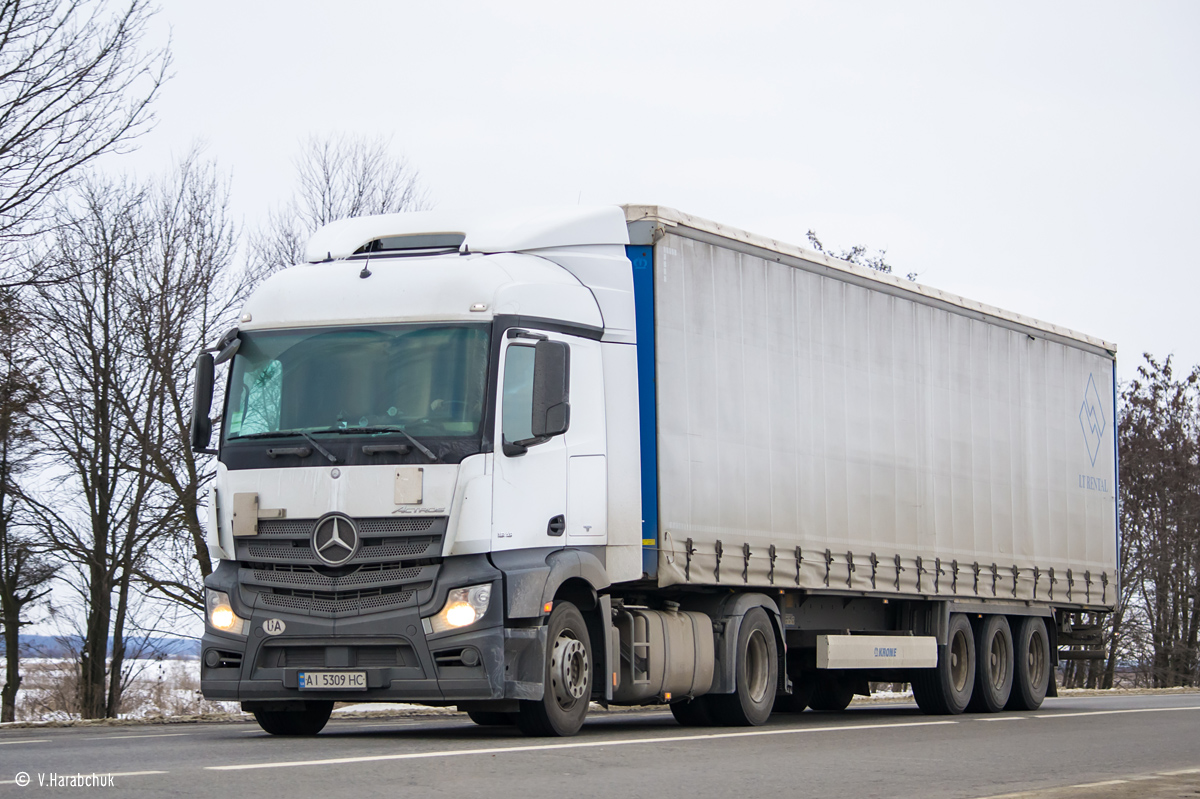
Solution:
(1125, 742)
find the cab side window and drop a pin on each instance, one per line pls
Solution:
(518, 393)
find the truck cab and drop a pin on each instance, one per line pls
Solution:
(420, 460)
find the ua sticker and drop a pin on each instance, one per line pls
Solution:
(274, 626)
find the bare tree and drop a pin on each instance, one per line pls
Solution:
(106, 511)
(188, 291)
(857, 255)
(24, 573)
(337, 177)
(1160, 520)
(74, 84)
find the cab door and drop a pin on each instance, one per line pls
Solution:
(529, 489)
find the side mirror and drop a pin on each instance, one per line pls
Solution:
(201, 425)
(551, 389)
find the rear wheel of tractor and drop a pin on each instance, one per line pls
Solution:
(832, 693)
(567, 677)
(693, 713)
(756, 675)
(1031, 665)
(801, 696)
(993, 665)
(309, 721)
(946, 689)
(488, 718)
(803, 684)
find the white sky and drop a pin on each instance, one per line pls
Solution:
(1039, 157)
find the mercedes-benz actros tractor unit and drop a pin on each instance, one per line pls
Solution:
(523, 461)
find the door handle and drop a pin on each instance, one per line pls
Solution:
(556, 526)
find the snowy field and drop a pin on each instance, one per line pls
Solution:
(153, 689)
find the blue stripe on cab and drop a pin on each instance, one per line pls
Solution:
(643, 300)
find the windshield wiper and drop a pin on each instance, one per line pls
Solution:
(426, 451)
(290, 434)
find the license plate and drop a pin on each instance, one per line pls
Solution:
(333, 680)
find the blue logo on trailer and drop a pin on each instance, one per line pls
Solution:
(1091, 419)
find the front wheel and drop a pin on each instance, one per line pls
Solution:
(567, 677)
(309, 721)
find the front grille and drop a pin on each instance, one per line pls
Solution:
(308, 576)
(334, 603)
(374, 655)
(366, 527)
(397, 559)
(292, 552)
(306, 656)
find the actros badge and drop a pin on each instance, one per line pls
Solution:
(335, 539)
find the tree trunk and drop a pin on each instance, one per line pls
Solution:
(118, 650)
(12, 663)
(94, 656)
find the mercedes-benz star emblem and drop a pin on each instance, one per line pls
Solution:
(335, 539)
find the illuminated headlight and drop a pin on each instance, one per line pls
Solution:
(463, 606)
(220, 613)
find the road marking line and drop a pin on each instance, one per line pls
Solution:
(577, 745)
(1098, 784)
(119, 737)
(1112, 712)
(29, 741)
(1180, 772)
(1006, 718)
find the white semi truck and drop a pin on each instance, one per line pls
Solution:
(524, 461)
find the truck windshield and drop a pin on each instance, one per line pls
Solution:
(429, 380)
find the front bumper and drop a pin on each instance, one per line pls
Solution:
(484, 662)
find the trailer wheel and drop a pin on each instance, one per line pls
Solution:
(1031, 672)
(993, 665)
(756, 675)
(832, 693)
(489, 718)
(946, 689)
(309, 721)
(568, 677)
(693, 712)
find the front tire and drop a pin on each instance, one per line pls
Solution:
(756, 675)
(946, 689)
(567, 678)
(309, 721)
(1031, 672)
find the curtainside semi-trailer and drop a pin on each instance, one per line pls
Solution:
(523, 461)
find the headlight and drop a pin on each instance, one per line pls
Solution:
(463, 606)
(220, 613)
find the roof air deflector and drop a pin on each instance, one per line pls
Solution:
(423, 242)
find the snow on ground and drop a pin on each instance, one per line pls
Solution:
(153, 689)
